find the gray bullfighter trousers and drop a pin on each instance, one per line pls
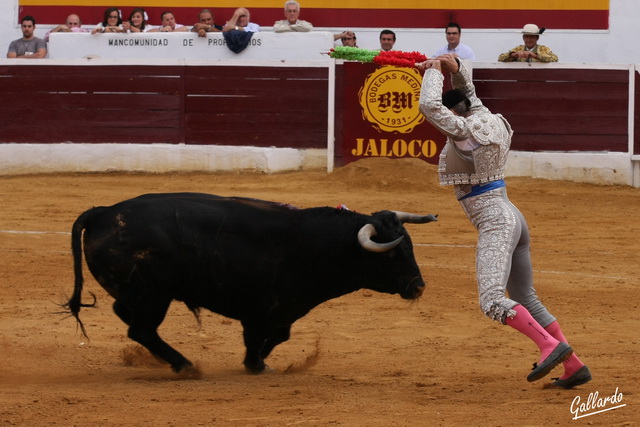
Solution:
(503, 262)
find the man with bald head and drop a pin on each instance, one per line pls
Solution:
(72, 24)
(241, 21)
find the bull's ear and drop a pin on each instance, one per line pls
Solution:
(414, 218)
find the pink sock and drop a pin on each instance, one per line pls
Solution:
(572, 364)
(523, 322)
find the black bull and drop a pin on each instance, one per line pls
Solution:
(266, 264)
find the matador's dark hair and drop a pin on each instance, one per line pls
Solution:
(452, 98)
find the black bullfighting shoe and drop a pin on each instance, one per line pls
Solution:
(559, 354)
(581, 376)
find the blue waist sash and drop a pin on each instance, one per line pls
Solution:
(476, 190)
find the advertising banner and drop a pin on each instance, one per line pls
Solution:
(380, 115)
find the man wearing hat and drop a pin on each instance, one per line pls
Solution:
(530, 51)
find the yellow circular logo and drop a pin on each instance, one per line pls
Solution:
(390, 99)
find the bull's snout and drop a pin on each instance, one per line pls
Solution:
(414, 289)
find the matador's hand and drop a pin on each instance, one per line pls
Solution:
(429, 63)
(449, 63)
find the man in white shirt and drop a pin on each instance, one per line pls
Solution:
(241, 21)
(169, 24)
(292, 23)
(462, 51)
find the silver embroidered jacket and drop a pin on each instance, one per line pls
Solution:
(492, 131)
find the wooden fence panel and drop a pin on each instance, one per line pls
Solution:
(259, 106)
(112, 104)
(559, 109)
(221, 105)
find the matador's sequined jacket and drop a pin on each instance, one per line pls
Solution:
(492, 131)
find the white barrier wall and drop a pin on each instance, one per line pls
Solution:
(617, 45)
(595, 168)
(20, 159)
(262, 46)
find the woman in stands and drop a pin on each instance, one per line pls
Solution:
(137, 22)
(111, 23)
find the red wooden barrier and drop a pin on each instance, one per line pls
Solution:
(550, 109)
(125, 104)
(217, 105)
(257, 106)
(560, 109)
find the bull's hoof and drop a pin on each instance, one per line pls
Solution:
(257, 371)
(190, 373)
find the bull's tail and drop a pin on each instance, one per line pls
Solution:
(75, 302)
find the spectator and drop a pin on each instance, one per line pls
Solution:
(137, 22)
(205, 24)
(168, 24)
(111, 22)
(241, 21)
(530, 51)
(453, 33)
(71, 25)
(292, 23)
(387, 40)
(28, 46)
(347, 37)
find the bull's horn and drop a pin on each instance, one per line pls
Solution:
(414, 218)
(364, 238)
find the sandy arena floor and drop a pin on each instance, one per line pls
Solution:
(366, 359)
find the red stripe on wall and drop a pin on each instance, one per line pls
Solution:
(354, 18)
